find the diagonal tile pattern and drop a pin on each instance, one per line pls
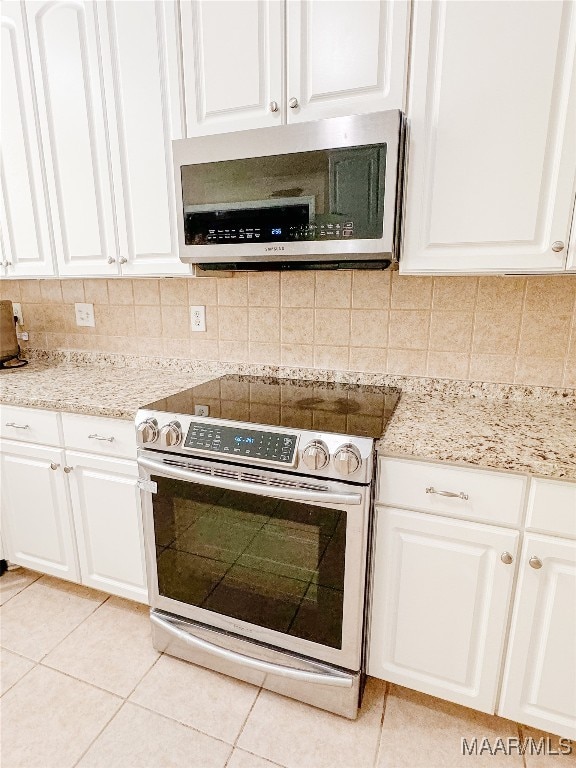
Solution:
(82, 686)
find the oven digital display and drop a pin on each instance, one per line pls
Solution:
(233, 441)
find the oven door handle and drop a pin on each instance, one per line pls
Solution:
(229, 484)
(320, 678)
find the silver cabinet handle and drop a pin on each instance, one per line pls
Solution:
(557, 246)
(98, 437)
(293, 103)
(322, 678)
(111, 260)
(17, 426)
(535, 562)
(6, 263)
(276, 491)
(123, 260)
(53, 465)
(68, 469)
(506, 558)
(450, 494)
(273, 106)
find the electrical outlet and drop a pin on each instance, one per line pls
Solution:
(17, 312)
(198, 318)
(201, 410)
(85, 315)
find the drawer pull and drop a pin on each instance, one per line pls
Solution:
(506, 558)
(53, 465)
(98, 437)
(68, 469)
(17, 426)
(461, 495)
(535, 562)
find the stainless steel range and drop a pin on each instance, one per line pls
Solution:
(257, 497)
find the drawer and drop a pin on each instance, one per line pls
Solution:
(31, 425)
(552, 507)
(94, 434)
(492, 497)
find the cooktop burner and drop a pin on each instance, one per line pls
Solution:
(349, 409)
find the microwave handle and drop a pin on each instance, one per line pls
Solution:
(268, 667)
(229, 484)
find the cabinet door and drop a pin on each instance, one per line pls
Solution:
(24, 238)
(540, 675)
(345, 57)
(66, 58)
(37, 528)
(140, 44)
(571, 259)
(108, 519)
(492, 159)
(233, 64)
(439, 605)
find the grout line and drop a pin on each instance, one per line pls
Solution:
(15, 683)
(522, 321)
(241, 731)
(383, 715)
(521, 735)
(106, 724)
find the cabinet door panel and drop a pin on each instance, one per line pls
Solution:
(145, 113)
(493, 136)
(66, 58)
(36, 520)
(107, 514)
(25, 238)
(232, 53)
(439, 605)
(540, 675)
(346, 57)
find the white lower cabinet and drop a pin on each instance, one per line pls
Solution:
(68, 513)
(37, 529)
(440, 600)
(107, 515)
(540, 673)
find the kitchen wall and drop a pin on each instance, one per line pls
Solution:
(504, 329)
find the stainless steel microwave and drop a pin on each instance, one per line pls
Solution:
(325, 194)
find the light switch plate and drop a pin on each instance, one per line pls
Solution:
(85, 315)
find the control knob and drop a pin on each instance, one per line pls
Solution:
(170, 434)
(316, 455)
(148, 431)
(347, 459)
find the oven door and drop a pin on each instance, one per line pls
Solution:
(274, 557)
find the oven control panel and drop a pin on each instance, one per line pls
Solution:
(234, 441)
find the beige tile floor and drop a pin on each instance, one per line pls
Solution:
(82, 686)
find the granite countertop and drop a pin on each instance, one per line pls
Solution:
(90, 389)
(532, 433)
(530, 436)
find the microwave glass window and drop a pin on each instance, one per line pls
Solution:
(277, 564)
(332, 194)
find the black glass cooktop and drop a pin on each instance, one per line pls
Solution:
(350, 409)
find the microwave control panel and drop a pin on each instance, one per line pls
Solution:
(249, 443)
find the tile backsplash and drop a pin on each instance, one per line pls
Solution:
(499, 329)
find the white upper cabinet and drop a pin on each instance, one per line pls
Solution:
(345, 58)
(66, 57)
(145, 112)
(24, 235)
(492, 162)
(233, 72)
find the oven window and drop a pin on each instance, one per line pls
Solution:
(276, 564)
